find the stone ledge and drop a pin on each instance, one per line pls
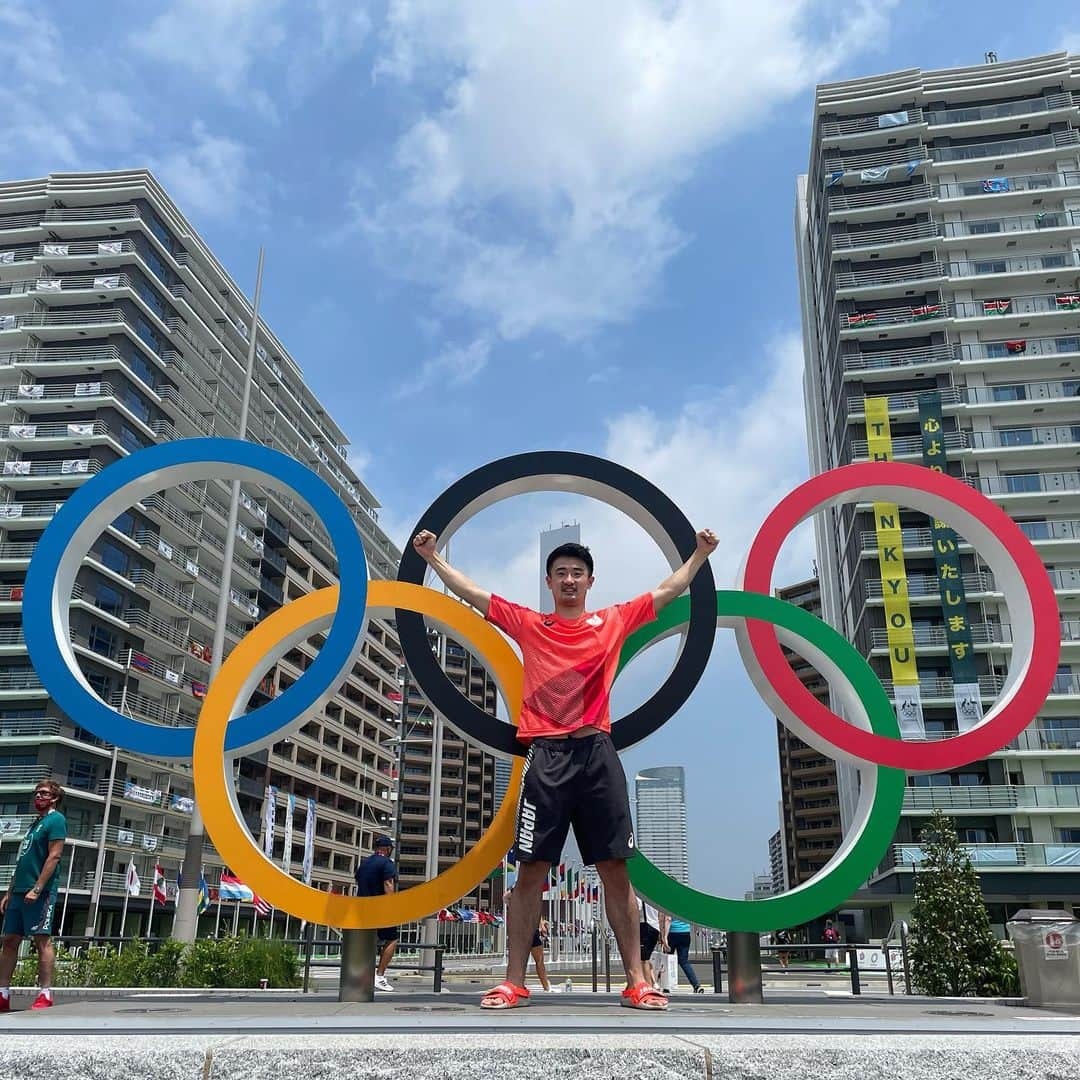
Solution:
(524, 1056)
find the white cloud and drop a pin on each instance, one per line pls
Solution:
(454, 365)
(207, 175)
(532, 194)
(248, 49)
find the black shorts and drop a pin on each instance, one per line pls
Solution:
(577, 782)
(387, 933)
(649, 937)
(537, 942)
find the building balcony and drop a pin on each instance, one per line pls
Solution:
(915, 232)
(1036, 488)
(975, 114)
(1039, 738)
(20, 681)
(892, 359)
(25, 473)
(1020, 349)
(58, 435)
(23, 775)
(1026, 397)
(904, 402)
(939, 688)
(855, 160)
(992, 797)
(911, 445)
(86, 358)
(873, 322)
(855, 200)
(1050, 143)
(873, 124)
(995, 856)
(985, 633)
(1000, 187)
(1039, 263)
(1062, 531)
(975, 229)
(1020, 439)
(894, 278)
(135, 703)
(1009, 308)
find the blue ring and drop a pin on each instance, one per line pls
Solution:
(278, 470)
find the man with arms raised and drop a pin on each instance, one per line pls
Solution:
(572, 771)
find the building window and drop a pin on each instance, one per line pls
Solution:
(100, 683)
(1023, 834)
(114, 558)
(125, 523)
(82, 775)
(1068, 836)
(102, 641)
(1065, 778)
(109, 599)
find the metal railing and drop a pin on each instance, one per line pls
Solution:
(894, 358)
(856, 200)
(1003, 185)
(896, 155)
(992, 797)
(1051, 219)
(1006, 393)
(1005, 350)
(949, 395)
(1035, 304)
(927, 584)
(857, 124)
(897, 316)
(74, 467)
(912, 444)
(1041, 739)
(894, 275)
(987, 856)
(1027, 483)
(941, 686)
(1017, 438)
(1006, 147)
(897, 234)
(973, 113)
(1041, 261)
(55, 430)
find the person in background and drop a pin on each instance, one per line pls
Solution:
(675, 937)
(832, 937)
(28, 905)
(649, 923)
(782, 938)
(375, 876)
(541, 937)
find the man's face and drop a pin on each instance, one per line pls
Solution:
(569, 580)
(44, 799)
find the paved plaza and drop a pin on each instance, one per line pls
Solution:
(200, 1035)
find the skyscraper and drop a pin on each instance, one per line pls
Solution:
(660, 819)
(120, 329)
(938, 235)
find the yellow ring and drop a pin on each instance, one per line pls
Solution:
(214, 783)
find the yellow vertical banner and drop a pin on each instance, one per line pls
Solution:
(894, 583)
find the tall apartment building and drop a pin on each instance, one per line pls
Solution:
(809, 798)
(939, 257)
(660, 819)
(464, 791)
(777, 867)
(120, 329)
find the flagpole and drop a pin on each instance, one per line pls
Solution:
(186, 919)
(67, 891)
(123, 913)
(217, 920)
(99, 865)
(236, 918)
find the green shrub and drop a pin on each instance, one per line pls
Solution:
(208, 962)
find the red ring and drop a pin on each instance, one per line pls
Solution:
(1029, 695)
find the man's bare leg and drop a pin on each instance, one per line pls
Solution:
(46, 960)
(622, 913)
(9, 957)
(523, 917)
(387, 954)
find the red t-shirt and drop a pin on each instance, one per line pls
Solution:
(569, 663)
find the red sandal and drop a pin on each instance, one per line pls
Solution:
(634, 997)
(509, 997)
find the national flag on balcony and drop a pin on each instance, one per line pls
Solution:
(833, 178)
(1068, 302)
(232, 888)
(1016, 348)
(860, 318)
(995, 185)
(261, 906)
(927, 311)
(996, 307)
(198, 689)
(139, 661)
(159, 894)
(394, 695)
(204, 895)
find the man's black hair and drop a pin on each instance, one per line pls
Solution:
(570, 551)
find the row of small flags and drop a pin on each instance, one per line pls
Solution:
(485, 918)
(229, 888)
(564, 883)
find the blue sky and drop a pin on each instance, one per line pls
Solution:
(493, 227)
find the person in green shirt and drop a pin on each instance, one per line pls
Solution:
(28, 904)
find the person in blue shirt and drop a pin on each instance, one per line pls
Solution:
(675, 938)
(375, 876)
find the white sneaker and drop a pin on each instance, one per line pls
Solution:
(383, 983)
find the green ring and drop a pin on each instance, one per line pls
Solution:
(835, 884)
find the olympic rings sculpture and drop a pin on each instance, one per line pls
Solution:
(867, 736)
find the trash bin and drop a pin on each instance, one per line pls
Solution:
(1048, 955)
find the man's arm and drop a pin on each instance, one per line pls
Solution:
(52, 861)
(679, 582)
(454, 580)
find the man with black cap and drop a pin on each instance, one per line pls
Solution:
(375, 876)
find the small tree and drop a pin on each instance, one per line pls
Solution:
(953, 950)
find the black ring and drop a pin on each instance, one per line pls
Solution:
(556, 470)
